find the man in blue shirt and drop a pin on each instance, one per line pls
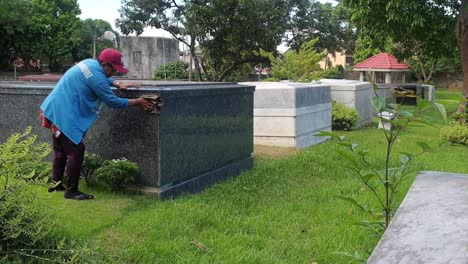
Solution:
(71, 108)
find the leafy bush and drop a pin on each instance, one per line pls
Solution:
(117, 173)
(25, 228)
(455, 132)
(334, 73)
(24, 157)
(343, 117)
(91, 163)
(175, 70)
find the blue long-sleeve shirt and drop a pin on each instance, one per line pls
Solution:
(73, 104)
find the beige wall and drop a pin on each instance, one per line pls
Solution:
(336, 58)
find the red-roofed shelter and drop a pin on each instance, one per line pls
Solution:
(381, 68)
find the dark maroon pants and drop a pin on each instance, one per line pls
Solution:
(69, 156)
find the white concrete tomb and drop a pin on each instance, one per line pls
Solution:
(289, 114)
(354, 94)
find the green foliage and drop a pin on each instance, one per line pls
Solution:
(176, 70)
(240, 74)
(91, 163)
(343, 117)
(406, 29)
(334, 73)
(21, 157)
(25, 228)
(298, 66)
(17, 38)
(58, 27)
(384, 182)
(91, 31)
(297, 188)
(455, 132)
(117, 173)
(330, 23)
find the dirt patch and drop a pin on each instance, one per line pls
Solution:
(273, 152)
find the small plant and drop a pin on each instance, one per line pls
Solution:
(384, 183)
(21, 157)
(176, 70)
(117, 173)
(91, 163)
(455, 132)
(343, 117)
(25, 228)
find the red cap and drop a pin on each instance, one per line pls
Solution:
(114, 57)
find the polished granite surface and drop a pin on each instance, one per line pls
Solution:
(202, 128)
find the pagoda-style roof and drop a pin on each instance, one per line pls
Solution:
(381, 62)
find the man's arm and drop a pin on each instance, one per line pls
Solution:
(123, 86)
(145, 104)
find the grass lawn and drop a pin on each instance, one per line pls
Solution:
(285, 210)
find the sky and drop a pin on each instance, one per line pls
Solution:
(108, 10)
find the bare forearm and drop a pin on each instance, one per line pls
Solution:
(133, 102)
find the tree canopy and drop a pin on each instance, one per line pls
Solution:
(51, 29)
(422, 32)
(330, 24)
(229, 32)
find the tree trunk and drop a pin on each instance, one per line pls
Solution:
(195, 58)
(462, 37)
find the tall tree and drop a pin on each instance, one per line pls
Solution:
(330, 23)
(18, 38)
(229, 32)
(58, 24)
(462, 38)
(421, 31)
(91, 39)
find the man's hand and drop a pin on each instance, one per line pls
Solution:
(143, 103)
(125, 86)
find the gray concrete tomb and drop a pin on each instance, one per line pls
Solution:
(431, 225)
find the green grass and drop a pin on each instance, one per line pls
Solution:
(284, 210)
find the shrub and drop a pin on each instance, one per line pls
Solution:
(117, 173)
(175, 70)
(455, 132)
(25, 228)
(22, 157)
(334, 73)
(91, 163)
(343, 117)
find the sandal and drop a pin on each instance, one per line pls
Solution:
(56, 186)
(78, 196)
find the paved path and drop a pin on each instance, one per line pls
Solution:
(431, 225)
